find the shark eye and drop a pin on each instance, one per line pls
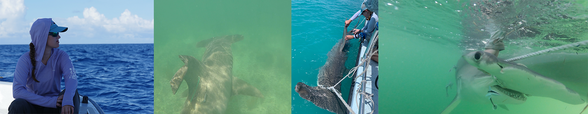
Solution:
(477, 56)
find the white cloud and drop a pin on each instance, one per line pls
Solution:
(12, 22)
(126, 28)
(94, 23)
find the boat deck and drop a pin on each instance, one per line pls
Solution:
(356, 103)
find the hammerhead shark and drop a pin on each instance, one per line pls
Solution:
(329, 75)
(483, 78)
(211, 82)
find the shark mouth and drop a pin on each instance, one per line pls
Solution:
(511, 93)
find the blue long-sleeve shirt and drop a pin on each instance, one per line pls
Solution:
(370, 25)
(45, 92)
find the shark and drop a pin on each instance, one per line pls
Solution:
(483, 78)
(328, 76)
(211, 82)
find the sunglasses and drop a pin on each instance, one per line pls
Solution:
(54, 34)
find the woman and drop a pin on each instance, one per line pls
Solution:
(37, 79)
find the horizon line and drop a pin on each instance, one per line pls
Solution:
(83, 43)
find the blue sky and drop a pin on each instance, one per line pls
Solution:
(89, 21)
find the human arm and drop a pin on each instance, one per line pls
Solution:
(19, 89)
(357, 14)
(347, 22)
(69, 75)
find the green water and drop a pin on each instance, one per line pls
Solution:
(262, 58)
(422, 40)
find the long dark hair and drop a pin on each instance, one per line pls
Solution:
(32, 56)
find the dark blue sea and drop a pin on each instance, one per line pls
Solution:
(119, 77)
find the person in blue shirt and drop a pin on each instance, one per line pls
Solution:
(38, 74)
(368, 10)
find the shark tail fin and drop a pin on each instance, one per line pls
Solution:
(241, 87)
(452, 106)
(229, 38)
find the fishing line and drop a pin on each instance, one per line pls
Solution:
(548, 50)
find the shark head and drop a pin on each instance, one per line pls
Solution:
(480, 73)
(516, 79)
(485, 61)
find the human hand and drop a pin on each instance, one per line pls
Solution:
(347, 22)
(59, 99)
(355, 31)
(349, 37)
(67, 109)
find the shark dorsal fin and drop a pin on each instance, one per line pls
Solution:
(241, 87)
(189, 63)
(342, 45)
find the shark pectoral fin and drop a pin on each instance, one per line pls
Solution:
(241, 87)
(452, 106)
(528, 82)
(176, 81)
(503, 107)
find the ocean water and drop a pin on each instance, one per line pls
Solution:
(316, 27)
(421, 41)
(262, 58)
(119, 77)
